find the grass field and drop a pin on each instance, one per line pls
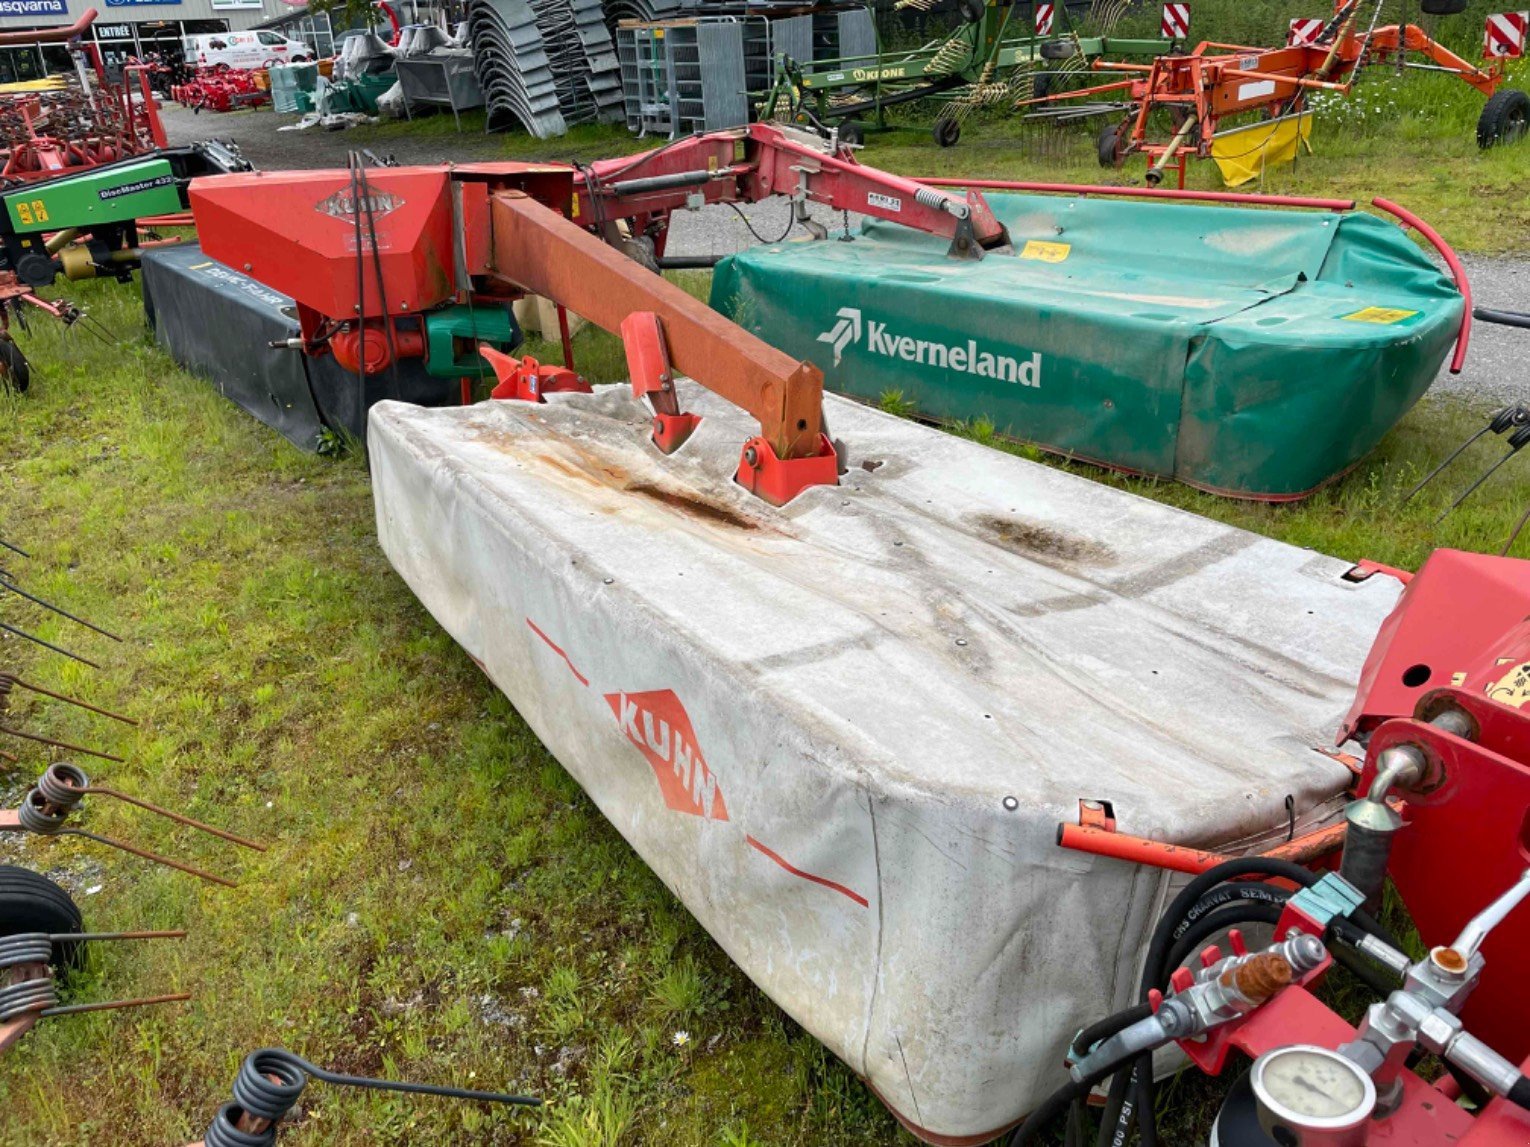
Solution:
(440, 901)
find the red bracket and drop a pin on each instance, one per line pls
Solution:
(653, 379)
(527, 380)
(779, 480)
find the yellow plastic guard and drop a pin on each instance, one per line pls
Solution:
(1243, 152)
(48, 84)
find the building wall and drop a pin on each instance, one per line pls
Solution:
(237, 14)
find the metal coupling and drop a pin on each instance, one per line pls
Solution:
(1371, 822)
(1174, 1019)
(1480, 1062)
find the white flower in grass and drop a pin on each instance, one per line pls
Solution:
(680, 1038)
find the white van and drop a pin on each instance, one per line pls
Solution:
(244, 51)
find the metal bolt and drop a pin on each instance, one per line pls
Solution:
(1011, 804)
(961, 641)
(751, 456)
(249, 266)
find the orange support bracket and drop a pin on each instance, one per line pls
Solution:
(1101, 841)
(653, 379)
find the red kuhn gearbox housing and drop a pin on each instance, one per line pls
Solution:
(482, 234)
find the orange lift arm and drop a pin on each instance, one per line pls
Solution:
(540, 251)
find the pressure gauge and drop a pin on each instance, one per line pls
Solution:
(1312, 1096)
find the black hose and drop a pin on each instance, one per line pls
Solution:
(1227, 894)
(790, 223)
(1053, 1106)
(1084, 1042)
(1209, 925)
(1519, 1094)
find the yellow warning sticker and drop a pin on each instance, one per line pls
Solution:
(1384, 316)
(1046, 252)
(1513, 688)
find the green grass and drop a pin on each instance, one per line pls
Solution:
(440, 900)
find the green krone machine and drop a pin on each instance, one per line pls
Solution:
(1251, 352)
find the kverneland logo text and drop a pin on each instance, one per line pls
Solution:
(657, 724)
(969, 357)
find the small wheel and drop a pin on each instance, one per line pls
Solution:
(15, 371)
(971, 10)
(1504, 118)
(1109, 144)
(852, 133)
(947, 131)
(30, 902)
(1058, 49)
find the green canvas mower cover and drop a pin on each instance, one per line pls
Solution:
(1248, 351)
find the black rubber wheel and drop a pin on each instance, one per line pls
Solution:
(1109, 145)
(946, 132)
(1057, 49)
(1505, 118)
(971, 10)
(1442, 7)
(852, 133)
(30, 902)
(15, 371)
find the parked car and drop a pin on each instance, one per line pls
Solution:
(244, 50)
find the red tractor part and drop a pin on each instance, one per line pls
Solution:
(429, 236)
(1200, 89)
(527, 380)
(219, 89)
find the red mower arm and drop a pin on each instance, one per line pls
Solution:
(781, 161)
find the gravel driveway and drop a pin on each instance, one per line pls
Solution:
(1497, 369)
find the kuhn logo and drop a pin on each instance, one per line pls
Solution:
(342, 205)
(969, 359)
(657, 724)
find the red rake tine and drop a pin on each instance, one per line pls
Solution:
(14, 680)
(6, 729)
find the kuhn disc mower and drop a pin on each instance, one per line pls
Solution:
(838, 676)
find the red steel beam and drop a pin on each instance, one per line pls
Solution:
(1245, 198)
(1457, 272)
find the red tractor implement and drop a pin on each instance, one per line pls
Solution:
(1198, 94)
